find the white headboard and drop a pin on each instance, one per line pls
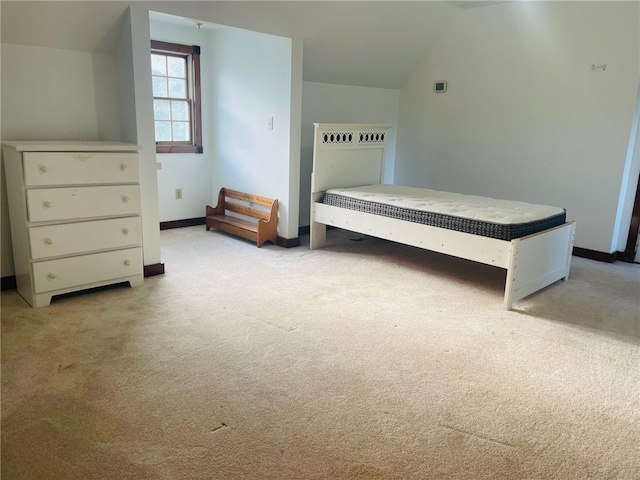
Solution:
(347, 155)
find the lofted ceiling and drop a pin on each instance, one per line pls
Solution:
(365, 43)
(83, 26)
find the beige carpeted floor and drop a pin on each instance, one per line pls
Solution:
(363, 360)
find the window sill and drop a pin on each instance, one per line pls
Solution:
(178, 148)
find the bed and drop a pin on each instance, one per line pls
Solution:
(534, 246)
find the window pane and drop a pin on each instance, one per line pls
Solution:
(159, 87)
(176, 67)
(158, 65)
(163, 131)
(161, 110)
(180, 132)
(177, 88)
(179, 110)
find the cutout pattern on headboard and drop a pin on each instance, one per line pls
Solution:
(372, 137)
(347, 137)
(347, 155)
(337, 137)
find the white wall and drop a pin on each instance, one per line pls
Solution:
(328, 103)
(190, 172)
(251, 81)
(525, 117)
(55, 95)
(136, 119)
(58, 94)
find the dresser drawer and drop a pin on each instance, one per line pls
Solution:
(82, 237)
(46, 204)
(77, 271)
(79, 168)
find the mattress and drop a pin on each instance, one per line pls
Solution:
(488, 217)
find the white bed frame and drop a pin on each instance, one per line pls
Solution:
(348, 155)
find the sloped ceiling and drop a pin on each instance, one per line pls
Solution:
(83, 26)
(365, 43)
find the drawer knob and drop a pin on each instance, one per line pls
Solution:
(51, 276)
(123, 166)
(125, 231)
(46, 204)
(125, 199)
(48, 241)
(127, 262)
(43, 168)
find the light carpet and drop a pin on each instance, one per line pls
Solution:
(361, 360)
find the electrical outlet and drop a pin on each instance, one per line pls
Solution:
(178, 194)
(159, 165)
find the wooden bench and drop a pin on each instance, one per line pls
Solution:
(260, 231)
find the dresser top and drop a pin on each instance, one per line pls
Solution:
(68, 146)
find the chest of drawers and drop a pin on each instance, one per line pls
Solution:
(74, 209)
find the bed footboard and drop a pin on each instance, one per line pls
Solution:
(353, 155)
(537, 261)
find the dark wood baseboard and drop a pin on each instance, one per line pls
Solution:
(154, 269)
(288, 242)
(189, 222)
(304, 230)
(628, 256)
(307, 230)
(595, 255)
(8, 283)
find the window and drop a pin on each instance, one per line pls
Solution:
(175, 73)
